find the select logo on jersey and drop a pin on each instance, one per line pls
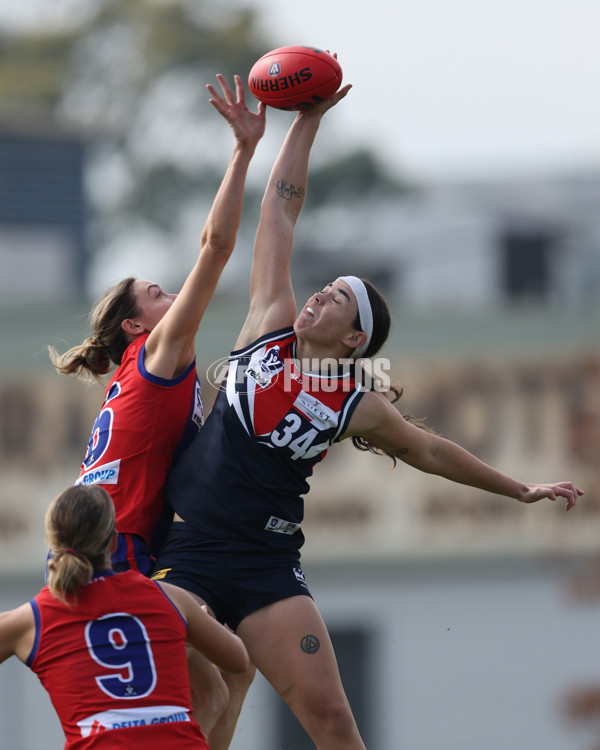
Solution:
(106, 474)
(280, 526)
(262, 368)
(316, 410)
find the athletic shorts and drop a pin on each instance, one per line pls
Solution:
(132, 553)
(233, 583)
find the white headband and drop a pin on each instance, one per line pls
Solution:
(364, 311)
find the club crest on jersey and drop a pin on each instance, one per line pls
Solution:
(262, 367)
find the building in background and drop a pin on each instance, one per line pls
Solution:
(449, 608)
(43, 214)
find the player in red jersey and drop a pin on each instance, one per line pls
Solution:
(153, 404)
(110, 647)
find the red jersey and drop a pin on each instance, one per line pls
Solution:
(115, 665)
(144, 423)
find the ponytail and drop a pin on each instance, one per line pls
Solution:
(80, 525)
(95, 356)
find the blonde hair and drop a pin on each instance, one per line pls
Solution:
(95, 355)
(80, 524)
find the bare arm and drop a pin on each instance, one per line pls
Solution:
(272, 303)
(376, 420)
(17, 632)
(207, 636)
(170, 348)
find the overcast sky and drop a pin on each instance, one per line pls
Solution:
(463, 86)
(443, 89)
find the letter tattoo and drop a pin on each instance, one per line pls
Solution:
(286, 191)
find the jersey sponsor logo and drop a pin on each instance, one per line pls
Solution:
(316, 410)
(106, 474)
(262, 368)
(119, 718)
(280, 526)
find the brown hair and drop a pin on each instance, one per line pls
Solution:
(94, 356)
(382, 321)
(80, 524)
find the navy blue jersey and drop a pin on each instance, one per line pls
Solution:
(243, 476)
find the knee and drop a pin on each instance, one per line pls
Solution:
(210, 699)
(337, 719)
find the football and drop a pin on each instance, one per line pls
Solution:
(295, 77)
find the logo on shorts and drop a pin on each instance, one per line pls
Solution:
(160, 574)
(300, 577)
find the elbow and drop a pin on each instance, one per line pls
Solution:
(238, 661)
(218, 248)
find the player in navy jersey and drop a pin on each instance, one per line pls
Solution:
(292, 389)
(110, 647)
(152, 405)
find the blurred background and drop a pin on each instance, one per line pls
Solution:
(461, 175)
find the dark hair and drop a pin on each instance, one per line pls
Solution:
(80, 524)
(93, 357)
(382, 321)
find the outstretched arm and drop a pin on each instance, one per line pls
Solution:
(377, 421)
(272, 303)
(171, 345)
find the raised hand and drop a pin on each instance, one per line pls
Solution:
(248, 128)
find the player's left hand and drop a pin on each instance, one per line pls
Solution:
(537, 492)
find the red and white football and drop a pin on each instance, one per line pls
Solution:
(295, 77)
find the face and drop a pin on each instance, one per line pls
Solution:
(152, 302)
(329, 315)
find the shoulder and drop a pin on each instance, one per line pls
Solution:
(372, 411)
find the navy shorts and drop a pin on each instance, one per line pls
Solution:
(234, 583)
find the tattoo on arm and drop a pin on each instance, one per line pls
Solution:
(401, 452)
(287, 191)
(310, 644)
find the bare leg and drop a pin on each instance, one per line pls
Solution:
(210, 695)
(221, 734)
(217, 697)
(290, 645)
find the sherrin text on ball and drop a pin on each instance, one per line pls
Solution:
(295, 77)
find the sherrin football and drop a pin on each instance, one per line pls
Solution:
(295, 77)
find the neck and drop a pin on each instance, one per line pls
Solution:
(316, 359)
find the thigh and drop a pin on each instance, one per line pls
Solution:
(289, 643)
